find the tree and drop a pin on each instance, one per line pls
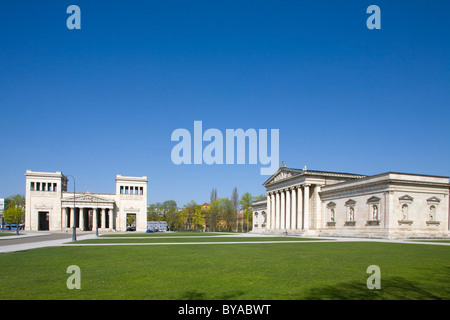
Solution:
(172, 217)
(190, 216)
(14, 212)
(212, 215)
(227, 213)
(235, 200)
(213, 196)
(246, 205)
(154, 212)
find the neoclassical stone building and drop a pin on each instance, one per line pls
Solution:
(320, 203)
(49, 206)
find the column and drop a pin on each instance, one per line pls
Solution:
(82, 223)
(294, 209)
(306, 207)
(269, 207)
(94, 219)
(64, 219)
(299, 208)
(317, 189)
(102, 213)
(288, 208)
(272, 211)
(277, 210)
(111, 219)
(72, 217)
(283, 210)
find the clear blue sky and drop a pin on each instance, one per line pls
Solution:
(105, 99)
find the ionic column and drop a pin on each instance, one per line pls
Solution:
(272, 211)
(268, 211)
(111, 219)
(277, 210)
(82, 223)
(317, 189)
(299, 208)
(102, 212)
(65, 216)
(306, 207)
(94, 219)
(283, 209)
(288, 208)
(294, 209)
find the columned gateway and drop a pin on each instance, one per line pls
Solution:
(322, 203)
(49, 206)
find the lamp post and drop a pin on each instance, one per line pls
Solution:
(96, 220)
(17, 216)
(74, 229)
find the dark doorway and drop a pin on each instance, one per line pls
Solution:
(43, 221)
(131, 222)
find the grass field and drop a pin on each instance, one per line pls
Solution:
(315, 270)
(190, 239)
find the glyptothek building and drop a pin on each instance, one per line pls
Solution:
(323, 203)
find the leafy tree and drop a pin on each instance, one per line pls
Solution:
(172, 218)
(246, 205)
(190, 216)
(227, 213)
(14, 209)
(212, 215)
(154, 212)
(235, 199)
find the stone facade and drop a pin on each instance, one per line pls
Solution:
(49, 206)
(320, 203)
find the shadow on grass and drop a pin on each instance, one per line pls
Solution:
(391, 289)
(196, 295)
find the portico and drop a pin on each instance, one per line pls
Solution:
(91, 211)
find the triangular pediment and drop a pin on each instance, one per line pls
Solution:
(282, 174)
(331, 205)
(406, 199)
(88, 197)
(433, 200)
(350, 202)
(373, 200)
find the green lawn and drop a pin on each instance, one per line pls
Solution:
(5, 234)
(170, 234)
(191, 239)
(319, 270)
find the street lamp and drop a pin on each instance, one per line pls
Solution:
(74, 229)
(17, 216)
(96, 220)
